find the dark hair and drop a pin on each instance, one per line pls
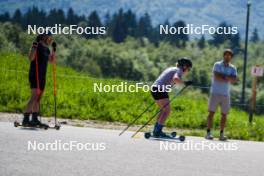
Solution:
(39, 37)
(42, 36)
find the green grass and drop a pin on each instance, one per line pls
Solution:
(76, 100)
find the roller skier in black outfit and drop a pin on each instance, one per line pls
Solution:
(39, 57)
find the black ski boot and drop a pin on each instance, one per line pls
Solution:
(26, 121)
(157, 132)
(35, 122)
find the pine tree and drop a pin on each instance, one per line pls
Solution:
(235, 41)
(17, 18)
(220, 38)
(144, 26)
(179, 39)
(5, 17)
(34, 17)
(94, 20)
(201, 42)
(255, 36)
(130, 22)
(60, 17)
(72, 18)
(120, 30)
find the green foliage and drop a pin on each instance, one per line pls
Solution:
(76, 99)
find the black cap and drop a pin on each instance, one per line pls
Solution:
(184, 61)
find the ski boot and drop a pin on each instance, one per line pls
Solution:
(36, 123)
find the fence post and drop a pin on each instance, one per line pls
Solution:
(253, 99)
(256, 72)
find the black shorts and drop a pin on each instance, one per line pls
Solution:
(157, 95)
(33, 82)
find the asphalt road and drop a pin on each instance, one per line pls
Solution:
(107, 154)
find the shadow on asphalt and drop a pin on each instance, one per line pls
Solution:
(164, 139)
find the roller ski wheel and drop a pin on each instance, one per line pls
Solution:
(173, 134)
(45, 127)
(147, 135)
(16, 124)
(57, 127)
(182, 138)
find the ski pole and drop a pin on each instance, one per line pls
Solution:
(158, 112)
(129, 125)
(37, 79)
(54, 82)
(18, 88)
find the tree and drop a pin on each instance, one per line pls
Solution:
(17, 18)
(107, 19)
(4, 17)
(219, 39)
(195, 76)
(72, 18)
(201, 42)
(130, 22)
(94, 20)
(235, 41)
(60, 17)
(255, 36)
(56, 16)
(204, 79)
(179, 39)
(144, 26)
(165, 37)
(119, 28)
(34, 17)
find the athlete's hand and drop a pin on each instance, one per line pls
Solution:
(188, 83)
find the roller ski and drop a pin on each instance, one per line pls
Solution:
(172, 135)
(41, 125)
(31, 124)
(34, 123)
(56, 126)
(158, 133)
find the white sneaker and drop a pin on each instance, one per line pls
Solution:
(209, 136)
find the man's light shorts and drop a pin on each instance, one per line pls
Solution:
(223, 101)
